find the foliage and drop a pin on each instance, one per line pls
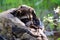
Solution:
(48, 21)
(58, 39)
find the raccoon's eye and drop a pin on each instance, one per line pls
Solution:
(25, 20)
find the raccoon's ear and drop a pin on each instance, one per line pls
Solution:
(33, 13)
(18, 13)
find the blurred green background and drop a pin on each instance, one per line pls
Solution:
(44, 9)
